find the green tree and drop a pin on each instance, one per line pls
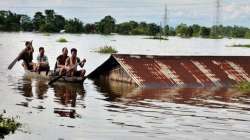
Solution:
(172, 31)
(181, 30)
(166, 30)
(74, 26)
(26, 23)
(90, 28)
(239, 32)
(141, 29)
(124, 28)
(38, 20)
(50, 15)
(153, 29)
(59, 22)
(247, 35)
(205, 32)
(106, 25)
(189, 32)
(196, 30)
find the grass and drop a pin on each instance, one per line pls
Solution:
(157, 38)
(243, 87)
(7, 125)
(240, 45)
(106, 49)
(62, 40)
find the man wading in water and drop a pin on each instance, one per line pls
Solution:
(27, 56)
(72, 62)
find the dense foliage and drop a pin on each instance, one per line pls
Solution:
(7, 125)
(51, 22)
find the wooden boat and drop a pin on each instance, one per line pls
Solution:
(50, 75)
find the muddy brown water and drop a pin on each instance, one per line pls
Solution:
(109, 110)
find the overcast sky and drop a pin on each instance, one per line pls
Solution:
(233, 12)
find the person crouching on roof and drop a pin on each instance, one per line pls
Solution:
(60, 62)
(42, 61)
(72, 63)
(27, 56)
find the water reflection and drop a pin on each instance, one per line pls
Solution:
(68, 95)
(25, 87)
(41, 88)
(212, 97)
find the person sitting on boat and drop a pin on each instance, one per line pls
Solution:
(72, 63)
(42, 61)
(60, 63)
(27, 56)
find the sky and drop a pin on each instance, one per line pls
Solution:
(203, 12)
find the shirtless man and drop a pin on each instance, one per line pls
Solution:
(72, 63)
(27, 56)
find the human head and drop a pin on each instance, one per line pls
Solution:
(41, 51)
(74, 52)
(28, 45)
(65, 51)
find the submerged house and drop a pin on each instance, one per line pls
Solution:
(174, 71)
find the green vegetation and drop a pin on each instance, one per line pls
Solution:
(239, 45)
(157, 38)
(106, 25)
(106, 49)
(51, 22)
(62, 40)
(243, 87)
(7, 125)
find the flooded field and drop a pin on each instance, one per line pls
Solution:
(101, 110)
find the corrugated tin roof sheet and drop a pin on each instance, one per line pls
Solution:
(181, 71)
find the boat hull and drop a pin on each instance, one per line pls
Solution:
(49, 76)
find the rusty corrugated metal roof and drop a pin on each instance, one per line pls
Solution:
(180, 71)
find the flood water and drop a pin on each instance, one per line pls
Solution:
(101, 110)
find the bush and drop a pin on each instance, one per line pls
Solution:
(107, 49)
(62, 40)
(7, 125)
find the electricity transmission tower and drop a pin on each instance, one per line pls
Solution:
(218, 12)
(218, 15)
(165, 18)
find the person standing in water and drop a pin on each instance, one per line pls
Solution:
(27, 56)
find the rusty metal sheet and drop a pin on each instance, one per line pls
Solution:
(185, 71)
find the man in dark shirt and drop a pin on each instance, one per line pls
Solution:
(60, 63)
(27, 56)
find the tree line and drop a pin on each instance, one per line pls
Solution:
(51, 22)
